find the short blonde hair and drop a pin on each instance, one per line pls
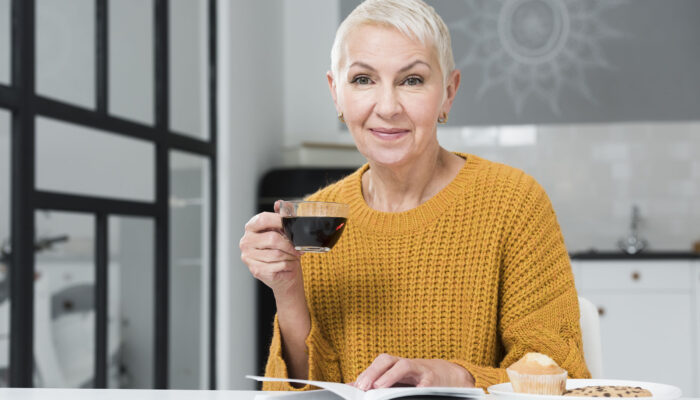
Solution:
(413, 18)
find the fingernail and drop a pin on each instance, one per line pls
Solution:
(363, 384)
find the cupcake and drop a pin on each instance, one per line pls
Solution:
(537, 374)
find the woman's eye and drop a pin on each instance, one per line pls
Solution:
(362, 80)
(413, 81)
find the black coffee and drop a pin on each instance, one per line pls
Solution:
(313, 233)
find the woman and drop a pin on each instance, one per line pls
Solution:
(451, 267)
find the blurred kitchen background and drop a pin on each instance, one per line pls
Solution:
(138, 136)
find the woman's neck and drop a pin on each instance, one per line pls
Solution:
(404, 187)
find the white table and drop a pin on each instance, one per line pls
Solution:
(137, 394)
(124, 394)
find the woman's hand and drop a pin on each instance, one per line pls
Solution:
(387, 370)
(270, 256)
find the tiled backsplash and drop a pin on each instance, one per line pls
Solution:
(593, 174)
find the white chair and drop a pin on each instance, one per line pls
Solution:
(590, 331)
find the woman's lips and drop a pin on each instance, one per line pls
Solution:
(389, 134)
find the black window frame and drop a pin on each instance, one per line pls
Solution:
(21, 99)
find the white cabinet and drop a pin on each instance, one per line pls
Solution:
(696, 318)
(648, 318)
(647, 337)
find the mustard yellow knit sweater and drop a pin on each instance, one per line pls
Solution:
(478, 275)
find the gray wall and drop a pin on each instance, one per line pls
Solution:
(580, 60)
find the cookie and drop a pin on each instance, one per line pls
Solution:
(608, 391)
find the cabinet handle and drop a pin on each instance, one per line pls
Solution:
(635, 276)
(601, 311)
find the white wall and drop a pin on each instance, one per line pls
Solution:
(309, 29)
(5, 151)
(595, 173)
(251, 116)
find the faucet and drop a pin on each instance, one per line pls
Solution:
(633, 244)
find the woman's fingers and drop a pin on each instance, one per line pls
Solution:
(269, 256)
(277, 206)
(265, 231)
(403, 371)
(379, 366)
(264, 221)
(387, 371)
(272, 240)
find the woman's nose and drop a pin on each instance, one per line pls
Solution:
(388, 104)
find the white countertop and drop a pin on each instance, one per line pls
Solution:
(139, 394)
(119, 394)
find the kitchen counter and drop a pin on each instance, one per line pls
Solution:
(645, 255)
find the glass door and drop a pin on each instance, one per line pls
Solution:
(107, 193)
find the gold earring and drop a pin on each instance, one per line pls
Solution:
(340, 117)
(442, 119)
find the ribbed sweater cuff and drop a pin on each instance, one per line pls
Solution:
(483, 376)
(322, 358)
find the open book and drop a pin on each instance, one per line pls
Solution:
(348, 392)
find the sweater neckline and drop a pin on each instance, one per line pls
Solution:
(387, 223)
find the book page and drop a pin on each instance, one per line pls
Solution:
(351, 393)
(320, 394)
(397, 392)
(341, 389)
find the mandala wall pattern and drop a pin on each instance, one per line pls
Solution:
(535, 48)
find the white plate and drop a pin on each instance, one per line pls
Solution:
(659, 391)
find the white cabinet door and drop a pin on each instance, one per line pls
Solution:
(647, 337)
(696, 318)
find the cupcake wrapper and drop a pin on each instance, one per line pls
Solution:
(537, 384)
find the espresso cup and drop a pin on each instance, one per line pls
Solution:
(313, 226)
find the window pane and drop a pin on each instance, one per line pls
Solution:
(5, 119)
(65, 50)
(189, 271)
(188, 50)
(131, 82)
(131, 303)
(74, 159)
(64, 300)
(5, 49)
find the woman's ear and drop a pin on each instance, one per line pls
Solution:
(334, 91)
(451, 90)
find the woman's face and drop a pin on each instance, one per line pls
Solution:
(391, 93)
